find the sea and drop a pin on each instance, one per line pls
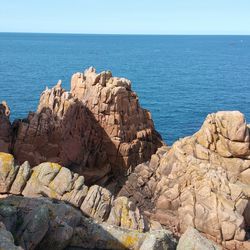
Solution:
(180, 79)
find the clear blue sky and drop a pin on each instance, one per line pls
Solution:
(126, 16)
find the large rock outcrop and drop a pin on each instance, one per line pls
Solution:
(204, 181)
(97, 129)
(62, 131)
(128, 130)
(5, 128)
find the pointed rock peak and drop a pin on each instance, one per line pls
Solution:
(90, 70)
(59, 84)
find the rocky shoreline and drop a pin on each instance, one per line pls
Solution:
(91, 168)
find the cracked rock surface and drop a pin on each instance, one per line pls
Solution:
(203, 181)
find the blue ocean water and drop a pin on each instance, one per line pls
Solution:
(180, 79)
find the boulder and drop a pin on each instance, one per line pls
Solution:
(97, 203)
(192, 240)
(202, 181)
(6, 239)
(21, 178)
(125, 214)
(57, 226)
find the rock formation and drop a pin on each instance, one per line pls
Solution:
(204, 181)
(48, 223)
(119, 173)
(5, 128)
(129, 136)
(97, 129)
(56, 182)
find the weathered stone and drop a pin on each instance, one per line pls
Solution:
(192, 240)
(7, 171)
(34, 228)
(97, 203)
(21, 178)
(202, 181)
(39, 182)
(112, 237)
(68, 228)
(126, 215)
(6, 239)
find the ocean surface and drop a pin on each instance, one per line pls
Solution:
(180, 79)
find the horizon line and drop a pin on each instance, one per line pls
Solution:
(121, 34)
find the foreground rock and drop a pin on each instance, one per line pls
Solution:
(6, 239)
(39, 223)
(192, 240)
(97, 129)
(56, 182)
(204, 181)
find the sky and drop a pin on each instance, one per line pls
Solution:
(126, 16)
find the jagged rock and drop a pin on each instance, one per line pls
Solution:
(126, 215)
(192, 240)
(68, 228)
(97, 203)
(61, 131)
(128, 130)
(97, 129)
(5, 128)
(203, 181)
(6, 239)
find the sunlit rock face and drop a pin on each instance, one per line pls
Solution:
(97, 129)
(129, 137)
(204, 180)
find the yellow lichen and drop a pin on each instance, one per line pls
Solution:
(6, 163)
(130, 241)
(125, 220)
(55, 166)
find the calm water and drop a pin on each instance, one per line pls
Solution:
(180, 79)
